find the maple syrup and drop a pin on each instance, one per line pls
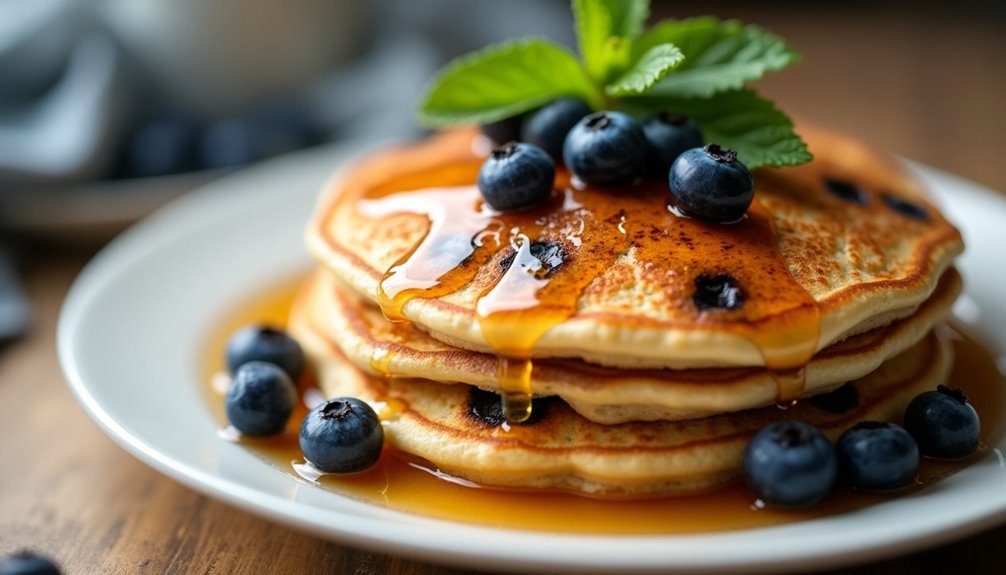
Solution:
(403, 483)
(586, 230)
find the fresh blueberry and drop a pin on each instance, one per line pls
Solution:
(516, 176)
(877, 456)
(547, 127)
(260, 399)
(28, 563)
(503, 131)
(711, 184)
(606, 148)
(790, 464)
(265, 343)
(342, 435)
(670, 136)
(162, 144)
(943, 423)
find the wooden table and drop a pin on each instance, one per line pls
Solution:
(928, 86)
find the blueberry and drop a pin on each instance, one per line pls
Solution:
(877, 456)
(721, 291)
(838, 401)
(28, 563)
(846, 191)
(606, 148)
(943, 423)
(227, 143)
(342, 435)
(503, 131)
(551, 255)
(906, 208)
(260, 399)
(547, 127)
(670, 136)
(265, 343)
(516, 176)
(162, 144)
(281, 127)
(276, 128)
(486, 408)
(711, 184)
(790, 464)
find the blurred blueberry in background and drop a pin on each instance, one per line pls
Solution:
(162, 143)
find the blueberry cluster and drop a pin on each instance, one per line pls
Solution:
(341, 435)
(171, 141)
(792, 464)
(611, 148)
(264, 363)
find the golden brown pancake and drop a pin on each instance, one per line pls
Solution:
(600, 394)
(835, 247)
(461, 431)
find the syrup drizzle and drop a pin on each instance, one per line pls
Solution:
(380, 360)
(455, 221)
(595, 230)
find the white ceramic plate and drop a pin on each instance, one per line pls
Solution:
(129, 341)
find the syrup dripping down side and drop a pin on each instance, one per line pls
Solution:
(787, 352)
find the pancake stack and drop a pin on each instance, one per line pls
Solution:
(602, 345)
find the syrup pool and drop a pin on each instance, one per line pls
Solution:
(412, 486)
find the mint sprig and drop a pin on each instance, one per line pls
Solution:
(698, 67)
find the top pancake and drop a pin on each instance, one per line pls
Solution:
(843, 244)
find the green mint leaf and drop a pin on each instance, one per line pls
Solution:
(504, 80)
(597, 21)
(653, 65)
(719, 56)
(617, 54)
(740, 120)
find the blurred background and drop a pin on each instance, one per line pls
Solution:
(110, 108)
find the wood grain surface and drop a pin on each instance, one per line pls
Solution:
(927, 85)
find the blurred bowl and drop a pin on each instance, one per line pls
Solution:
(36, 37)
(216, 57)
